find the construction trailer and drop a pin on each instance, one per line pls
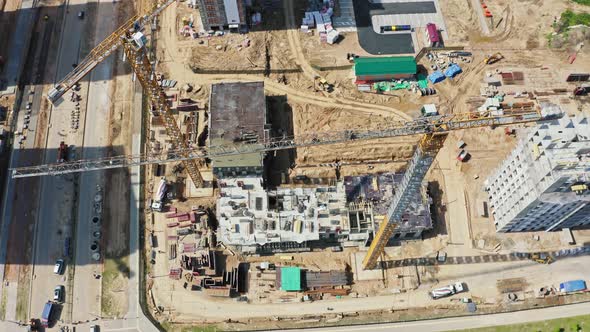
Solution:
(377, 69)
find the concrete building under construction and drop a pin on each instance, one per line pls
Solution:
(543, 184)
(256, 220)
(237, 115)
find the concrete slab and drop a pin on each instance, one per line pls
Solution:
(192, 191)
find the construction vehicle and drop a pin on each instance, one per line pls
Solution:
(34, 325)
(62, 152)
(542, 258)
(493, 58)
(134, 42)
(582, 90)
(322, 84)
(47, 314)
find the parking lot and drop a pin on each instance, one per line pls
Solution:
(371, 16)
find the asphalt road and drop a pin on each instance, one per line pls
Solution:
(19, 210)
(57, 194)
(469, 322)
(87, 289)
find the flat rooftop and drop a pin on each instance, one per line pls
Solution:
(237, 113)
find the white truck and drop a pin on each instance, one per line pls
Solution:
(445, 291)
(158, 201)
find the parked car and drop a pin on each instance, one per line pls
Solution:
(59, 266)
(81, 14)
(58, 293)
(446, 291)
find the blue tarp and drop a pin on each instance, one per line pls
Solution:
(572, 286)
(453, 70)
(436, 77)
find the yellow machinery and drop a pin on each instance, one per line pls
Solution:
(410, 184)
(493, 58)
(542, 258)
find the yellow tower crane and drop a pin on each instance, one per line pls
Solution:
(129, 35)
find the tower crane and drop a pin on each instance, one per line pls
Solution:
(434, 130)
(129, 36)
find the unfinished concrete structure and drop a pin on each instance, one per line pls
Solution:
(237, 115)
(370, 196)
(253, 219)
(543, 184)
(223, 14)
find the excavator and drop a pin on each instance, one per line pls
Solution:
(490, 59)
(541, 258)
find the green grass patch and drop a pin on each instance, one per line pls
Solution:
(582, 2)
(22, 300)
(569, 18)
(171, 327)
(3, 305)
(569, 324)
(115, 276)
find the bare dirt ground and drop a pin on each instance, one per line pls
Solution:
(521, 25)
(116, 225)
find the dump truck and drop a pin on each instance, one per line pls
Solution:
(62, 152)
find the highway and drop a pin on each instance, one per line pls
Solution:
(95, 141)
(57, 199)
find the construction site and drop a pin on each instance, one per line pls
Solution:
(276, 164)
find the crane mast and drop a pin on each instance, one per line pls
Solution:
(137, 56)
(406, 191)
(138, 59)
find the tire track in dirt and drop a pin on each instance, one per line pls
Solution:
(306, 97)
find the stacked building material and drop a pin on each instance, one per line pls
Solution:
(322, 19)
(175, 273)
(189, 247)
(324, 279)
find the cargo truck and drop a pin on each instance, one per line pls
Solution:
(572, 286)
(62, 152)
(46, 315)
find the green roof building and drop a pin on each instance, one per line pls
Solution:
(290, 279)
(384, 68)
